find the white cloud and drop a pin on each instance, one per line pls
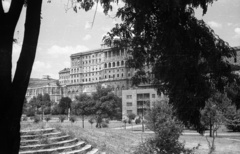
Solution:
(39, 66)
(88, 25)
(57, 51)
(237, 31)
(6, 5)
(229, 24)
(87, 37)
(214, 24)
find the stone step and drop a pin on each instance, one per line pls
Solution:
(48, 146)
(59, 149)
(84, 149)
(35, 141)
(93, 151)
(36, 131)
(30, 137)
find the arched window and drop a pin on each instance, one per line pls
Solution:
(118, 63)
(105, 65)
(113, 64)
(122, 63)
(109, 65)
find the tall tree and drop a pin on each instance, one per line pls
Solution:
(84, 105)
(107, 105)
(187, 59)
(65, 105)
(13, 91)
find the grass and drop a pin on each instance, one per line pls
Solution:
(124, 141)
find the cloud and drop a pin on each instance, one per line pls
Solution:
(87, 37)
(214, 24)
(237, 31)
(88, 25)
(39, 66)
(229, 24)
(57, 51)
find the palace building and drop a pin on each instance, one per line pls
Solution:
(90, 68)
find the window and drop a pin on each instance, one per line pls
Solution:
(129, 111)
(129, 103)
(153, 95)
(129, 96)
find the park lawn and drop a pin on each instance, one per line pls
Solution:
(122, 141)
(223, 144)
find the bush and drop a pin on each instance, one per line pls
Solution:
(233, 116)
(24, 118)
(47, 118)
(55, 110)
(138, 120)
(107, 121)
(30, 112)
(167, 132)
(62, 118)
(36, 119)
(47, 110)
(104, 125)
(72, 119)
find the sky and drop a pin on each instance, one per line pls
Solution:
(64, 32)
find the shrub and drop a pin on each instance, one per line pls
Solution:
(47, 118)
(25, 118)
(107, 121)
(233, 119)
(55, 110)
(36, 119)
(91, 121)
(62, 118)
(30, 112)
(104, 124)
(72, 119)
(167, 132)
(138, 120)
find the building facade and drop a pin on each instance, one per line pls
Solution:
(101, 66)
(138, 101)
(42, 86)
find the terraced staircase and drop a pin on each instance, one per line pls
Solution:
(51, 141)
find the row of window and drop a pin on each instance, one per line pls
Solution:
(141, 96)
(109, 65)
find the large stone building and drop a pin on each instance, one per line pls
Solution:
(90, 68)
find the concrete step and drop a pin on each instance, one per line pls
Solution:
(36, 131)
(93, 151)
(35, 141)
(83, 150)
(48, 146)
(30, 137)
(59, 149)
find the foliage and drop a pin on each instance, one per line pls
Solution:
(104, 124)
(55, 110)
(62, 118)
(131, 116)
(138, 120)
(167, 132)
(72, 119)
(91, 121)
(233, 119)
(180, 54)
(107, 105)
(47, 118)
(30, 112)
(64, 105)
(36, 119)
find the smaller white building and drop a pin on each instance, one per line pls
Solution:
(138, 101)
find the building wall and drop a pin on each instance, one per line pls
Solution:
(55, 92)
(101, 66)
(133, 99)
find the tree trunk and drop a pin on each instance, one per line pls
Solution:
(13, 93)
(210, 128)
